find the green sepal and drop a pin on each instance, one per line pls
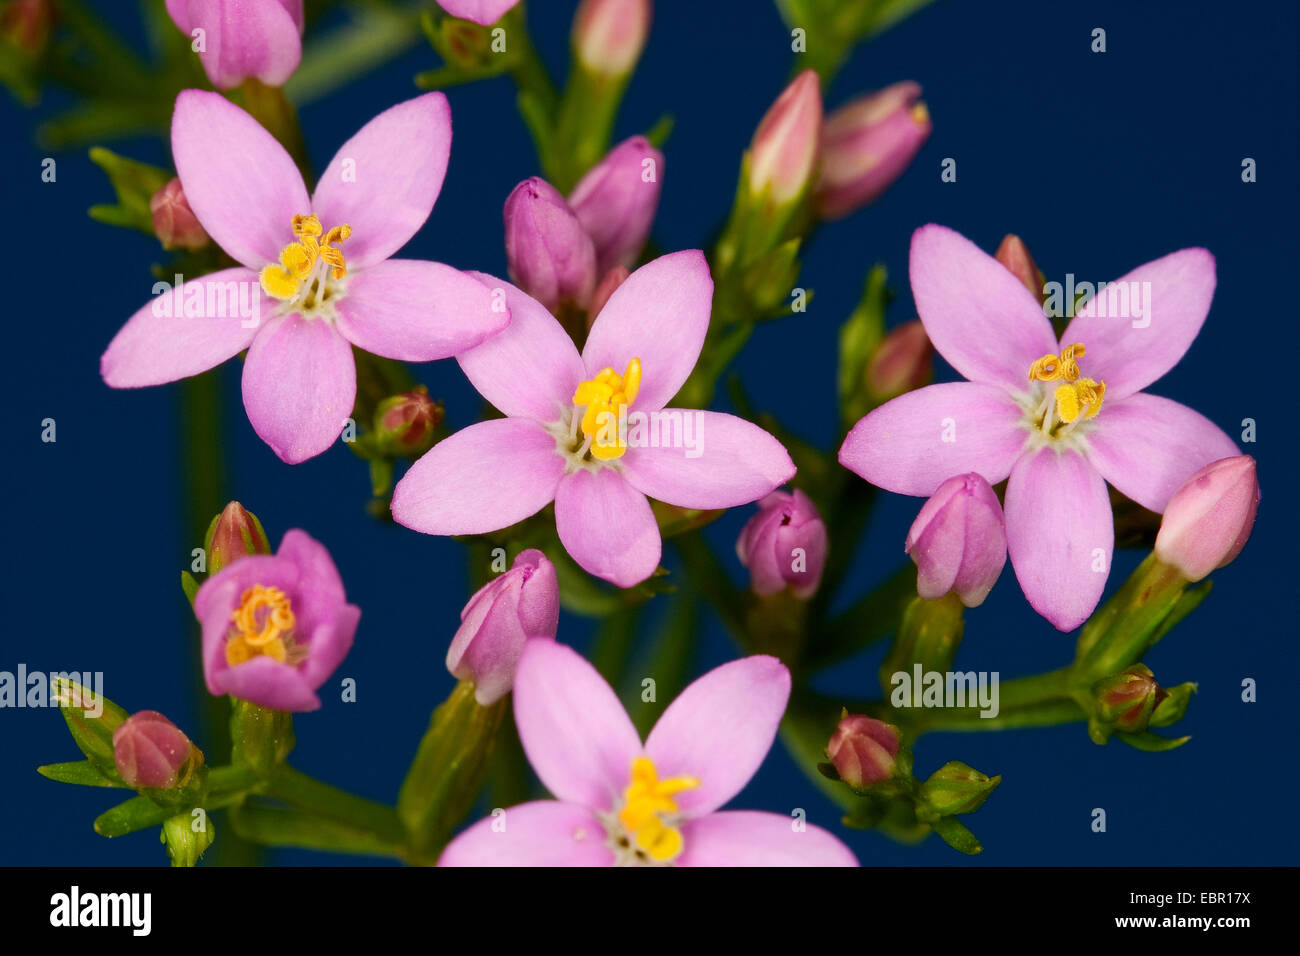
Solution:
(1151, 743)
(82, 772)
(135, 183)
(1173, 705)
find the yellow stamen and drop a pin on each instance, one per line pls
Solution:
(646, 801)
(602, 397)
(298, 260)
(1051, 367)
(262, 624)
(1081, 398)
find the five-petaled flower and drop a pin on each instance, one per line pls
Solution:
(275, 626)
(622, 802)
(319, 265)
(564, 439)
(1056, 419)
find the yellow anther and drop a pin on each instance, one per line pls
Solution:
(298, 260)
(1081, 398)
(604, 396)
(1045, 369)
(262, 624)
(306, 226)
(646, 801)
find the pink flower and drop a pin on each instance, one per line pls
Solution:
(784, 544)
(1058, 419)
(320, 265)
(243, 38)
(519, 605)
(275, 626)
(621, 802)
(483, 12)
(590, 431)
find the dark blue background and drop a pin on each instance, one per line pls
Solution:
(1101, 162)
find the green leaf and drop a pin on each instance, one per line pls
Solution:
(135, 183)
(189, 586)
(81, 772)
(1151, 743)
(138, 813)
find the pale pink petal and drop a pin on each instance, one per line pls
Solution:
(753, 838)
(980, 318)
(268, 683)
(417, 311)
(1060, 534)
(719, 729)
(242, 185)
(532, 368)
(1146, 446)
(705, 459)
(299, 385)
(246, 38)
(541, 833)
(383, 181)
(607, 526)
(574, 731)
(152, 349)
(482, 12)
(658, 315)
(914, 443)
(1128, 351)
(482, 478)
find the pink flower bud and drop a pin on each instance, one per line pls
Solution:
(959, 541)
(233, 534)
(174, 222)
(783, 155)
(150, 751)
(1209, 518)
(551, 256)
(784, 544)
(900, 363)
(863, 750)
(240, 41)
(867, 144)
(483, 12)
(609, 35)
(518, 605)
(405, 423)
(1014, 254)
(1125, 700)
(617, 199)
(614, 278)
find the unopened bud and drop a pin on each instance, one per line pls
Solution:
(785, 544)
(174, 222)
(187, 835)
(151, 752)
(787, 143)
(551, 256)
(405, 423)
(1208, 519)
(617, 199)
(1124, 702)
(233, 534)
(955, 788)
(901, 362)
(959, 541)
(609, 35)
(863, 750)
(614, 278)
(1014, 254)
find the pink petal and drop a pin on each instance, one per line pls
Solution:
(269, 683)
(1128, 352)
(417, 311)
(1059, 534)
(483, 12)
(752, 838)
(529, 370)
(915, 442)
(242, 185)
(483, 478)
(719, 729)
(659, 315)
(328, 644)
(607, 526)
(383, 181)
(299, 385)
(735, 462)
(152, 349)
(246, 38)
(574, 731)
(541, 833)
(1146, 446)
(980, 318)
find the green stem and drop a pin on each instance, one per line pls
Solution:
(320, 799)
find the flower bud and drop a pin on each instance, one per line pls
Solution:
(866, 145)
(1124, 701)
(26, 24)
(1014, 254)
(240, 41)
(616, 201)
(187, 837)
(614, 278)
(520, 604)
(233, 534)
(863, 750)
(174, 223)
(955, 788)
(900, 363)
(92, 720)
(551, 256)
(405, 423)
(783, 155)
(784, 544)
(1208, 519)
(609, 35)
(959, 541)
(483, 12)
(151, 752)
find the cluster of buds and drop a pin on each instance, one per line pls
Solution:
(574, 252)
